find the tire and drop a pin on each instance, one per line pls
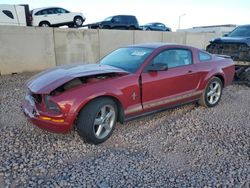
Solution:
(44, 24)
(131, 28)
(78, 21)
(97, 120)
(148, 29)
(212, 93)
(105, 27)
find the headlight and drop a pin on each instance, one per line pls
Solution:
(50, 104)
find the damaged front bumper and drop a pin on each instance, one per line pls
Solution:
(56, 124)
(238, 52)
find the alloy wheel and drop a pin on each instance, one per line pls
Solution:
(104, 121)
(214, 92)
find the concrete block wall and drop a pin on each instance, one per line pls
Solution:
(33, 49)
(76, 46)
(26, 49)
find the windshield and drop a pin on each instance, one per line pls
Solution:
(108, 19)
(128, 59)
(241, 31)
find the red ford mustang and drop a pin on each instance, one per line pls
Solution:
(128, 83)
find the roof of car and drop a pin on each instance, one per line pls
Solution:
(38, 9)
(154, 45)
(244, 25)
(122, 15)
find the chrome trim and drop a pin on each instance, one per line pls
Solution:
(166, 101)
(133, 110)
(158, 103)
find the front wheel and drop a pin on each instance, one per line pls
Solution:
(212, 93)
(78, 21)
(97, 120)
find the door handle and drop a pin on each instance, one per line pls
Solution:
(189, 72)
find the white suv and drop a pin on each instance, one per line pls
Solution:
(56, 16)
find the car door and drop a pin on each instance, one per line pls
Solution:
(117, 22)
(154, 27)
(63, 16)
(169, 86)
(46, 15)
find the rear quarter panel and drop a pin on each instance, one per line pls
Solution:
(221, 67)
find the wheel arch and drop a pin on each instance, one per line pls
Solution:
(118, 103)
(218, 74)
(78, 16)
(221, 78)
(44, 21)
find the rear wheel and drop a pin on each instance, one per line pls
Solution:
(97, 120)
(105, 27)
(212, 93)
(131, 28)
(44, 24)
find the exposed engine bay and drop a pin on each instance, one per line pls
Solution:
(83, 80)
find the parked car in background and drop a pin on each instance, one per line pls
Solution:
(15, 15)
(116, 22)
(56, 16)
(155, 27)
(130, 82)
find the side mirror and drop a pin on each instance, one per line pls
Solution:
(225, 35)
(157, 67)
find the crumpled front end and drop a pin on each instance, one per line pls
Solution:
(237, 51)
(52, 106)
(46, 114)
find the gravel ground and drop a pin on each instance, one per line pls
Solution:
(191, 146)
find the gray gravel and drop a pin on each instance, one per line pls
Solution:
(191, 146)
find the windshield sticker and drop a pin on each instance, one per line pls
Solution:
(138, 53)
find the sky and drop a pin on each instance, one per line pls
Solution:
(195, 12)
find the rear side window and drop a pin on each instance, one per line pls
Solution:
(204, 56)
(46, 11)
(61, 11)
(8, 13)
(132, 19)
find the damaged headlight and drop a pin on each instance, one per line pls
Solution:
(50, 104)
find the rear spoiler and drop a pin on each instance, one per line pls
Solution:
(223, 56)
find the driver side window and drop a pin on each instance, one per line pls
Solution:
(173, 58)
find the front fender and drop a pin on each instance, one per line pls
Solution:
(78, 105)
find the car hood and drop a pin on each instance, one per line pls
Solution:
(47, 81)
(245, 40)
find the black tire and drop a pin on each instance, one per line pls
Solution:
(44, 24)
(216, 94)
(86, 126)
(106, 27)
(131, 28)
(78, 21)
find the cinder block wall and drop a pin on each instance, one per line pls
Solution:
(33, 49)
